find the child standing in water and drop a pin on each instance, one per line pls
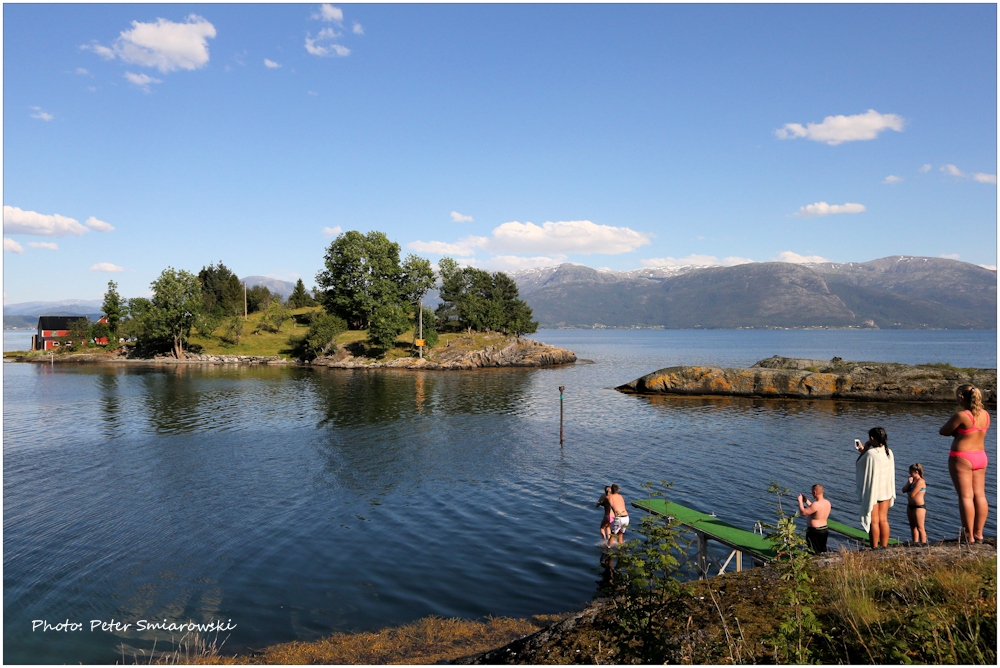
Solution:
(608, 515)
(916, 512)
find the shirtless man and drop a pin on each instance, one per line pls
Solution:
(817, 511)
(618, 525)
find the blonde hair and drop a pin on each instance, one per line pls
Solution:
(971, 398)
(918, 468)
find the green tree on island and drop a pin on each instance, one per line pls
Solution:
(176, 304)
(365, 284)
(299, 297)
(221, 291)
(474, 299)
(115, 310)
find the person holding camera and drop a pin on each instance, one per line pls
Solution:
(875, 481)
(817, 511)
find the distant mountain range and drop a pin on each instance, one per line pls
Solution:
(899, 292)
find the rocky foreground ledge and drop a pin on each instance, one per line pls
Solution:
(513, 352)
(818, 379)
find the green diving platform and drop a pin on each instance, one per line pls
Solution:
(708, 527)
(851, 532)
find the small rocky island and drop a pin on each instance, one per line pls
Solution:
(509, 352)
(819, 379)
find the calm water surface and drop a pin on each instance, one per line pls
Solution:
(301, 502)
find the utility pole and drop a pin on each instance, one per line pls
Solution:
(420, 328)
(244, 300)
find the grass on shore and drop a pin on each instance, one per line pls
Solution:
(901, 605)
(426, 641)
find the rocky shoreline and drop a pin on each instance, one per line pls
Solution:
(784, 377)
(514, 352)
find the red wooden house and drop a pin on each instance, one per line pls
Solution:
(53, 330)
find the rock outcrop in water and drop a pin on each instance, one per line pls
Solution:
(818, 379)
(513, 352)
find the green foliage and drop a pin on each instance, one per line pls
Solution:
(799, 625)
(646, 585)
(259, 298)
(418, 278)
(115, 310)
(176, 304)
(100, 330)
(387, 322)
(79, 331)
(300, 297)
(234, 328)
(322, 333)
(274, 316)
(474, 299)
(362, 274)
(430, 328)
(221, 291)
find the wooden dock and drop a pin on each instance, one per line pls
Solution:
(741, 542)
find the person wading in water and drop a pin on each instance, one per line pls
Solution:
(621, 516)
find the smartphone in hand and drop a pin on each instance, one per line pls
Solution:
(858, 445)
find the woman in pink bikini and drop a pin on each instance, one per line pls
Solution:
(967, 460)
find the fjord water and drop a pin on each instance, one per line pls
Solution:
(299, 502)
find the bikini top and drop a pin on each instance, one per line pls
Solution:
(973, 428)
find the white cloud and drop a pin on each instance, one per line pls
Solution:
(563, 237)
(979, 177)
(332, 231)
(141, 80)
(108, 267)
(270, 64)
(357, 29)
(456, 217)
(41, 114)
(950, 256)
(824, 209)
(991, 267)
(515, 262)
(43, 244)
(165, 45)
(328, 12)
(892, 179)
(326, 35)
(925, 168)
(442, 248)
(837, 129)
(103, 51)
(11, 246)
(694, 261)
(16, 221)
(99, 225)
(81, 71)
(795, 258)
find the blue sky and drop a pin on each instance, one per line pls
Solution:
(138, 137)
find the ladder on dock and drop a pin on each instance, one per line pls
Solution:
(708, 527)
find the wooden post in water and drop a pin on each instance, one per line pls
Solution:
(561, 389)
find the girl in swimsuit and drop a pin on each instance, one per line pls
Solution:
(915, 488)
(967, 460)
(608, 515)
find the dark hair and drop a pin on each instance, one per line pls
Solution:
(615, 488)
(881, 439)
(607, 488)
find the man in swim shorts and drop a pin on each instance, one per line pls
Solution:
(620, 521)
(817, 511)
